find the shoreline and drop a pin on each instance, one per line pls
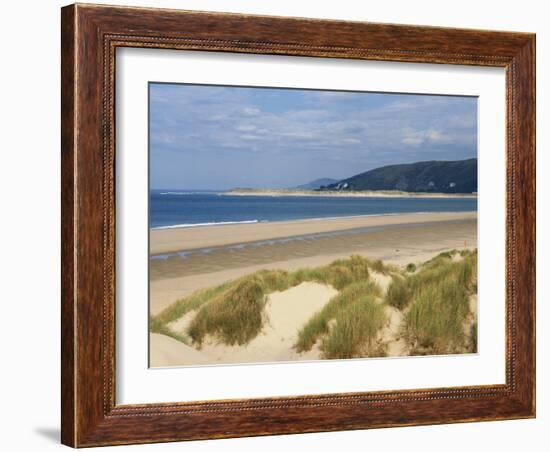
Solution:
(173, 240)
(344, 194)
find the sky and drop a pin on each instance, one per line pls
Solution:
(220, 137)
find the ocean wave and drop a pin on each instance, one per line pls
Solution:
(182, 193)
(343, 217)
(193, 225)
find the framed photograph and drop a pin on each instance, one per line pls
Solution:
(281, 225)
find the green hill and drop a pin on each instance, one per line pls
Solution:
(317, 183)
(458, 176)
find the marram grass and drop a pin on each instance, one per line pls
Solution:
(440, 293)
(355, 330)
(232, 312)
(432, 296)
(399, 292)
(319, 324)
(234, 316)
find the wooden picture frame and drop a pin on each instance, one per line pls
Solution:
(90, 36)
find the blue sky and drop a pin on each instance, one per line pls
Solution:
(215, 137)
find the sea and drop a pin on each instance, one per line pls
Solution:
(181, 208)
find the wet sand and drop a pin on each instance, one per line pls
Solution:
(178, 239)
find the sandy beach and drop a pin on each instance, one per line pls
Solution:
(180, 239)
(398, 239)
(210, 256)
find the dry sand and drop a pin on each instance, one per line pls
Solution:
(392, 334)
(165, 351)
(286, 312)
(172, 240)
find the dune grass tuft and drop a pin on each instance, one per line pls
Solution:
(440, 293)
(319, 324)
(355, 329)
(156, 326)
(411, 268)
(379, 267)
(234, 316)
(399, 292)
(190, 303)
(344, 272)
(473, 335)
(435, 319)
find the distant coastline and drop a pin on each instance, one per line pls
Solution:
(341, 193)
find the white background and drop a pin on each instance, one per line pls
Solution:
(138, 384)
(30, 225)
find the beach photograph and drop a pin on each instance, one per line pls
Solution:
(292, 225)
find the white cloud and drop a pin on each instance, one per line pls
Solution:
(413, 140)
(246, 128)
(351, 141)
(250, 137)
(250, 111)
(280, 121)
(417, 137)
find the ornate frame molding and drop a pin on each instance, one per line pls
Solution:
(90, 37)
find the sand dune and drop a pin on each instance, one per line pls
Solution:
(285, 312)
(165, 351)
